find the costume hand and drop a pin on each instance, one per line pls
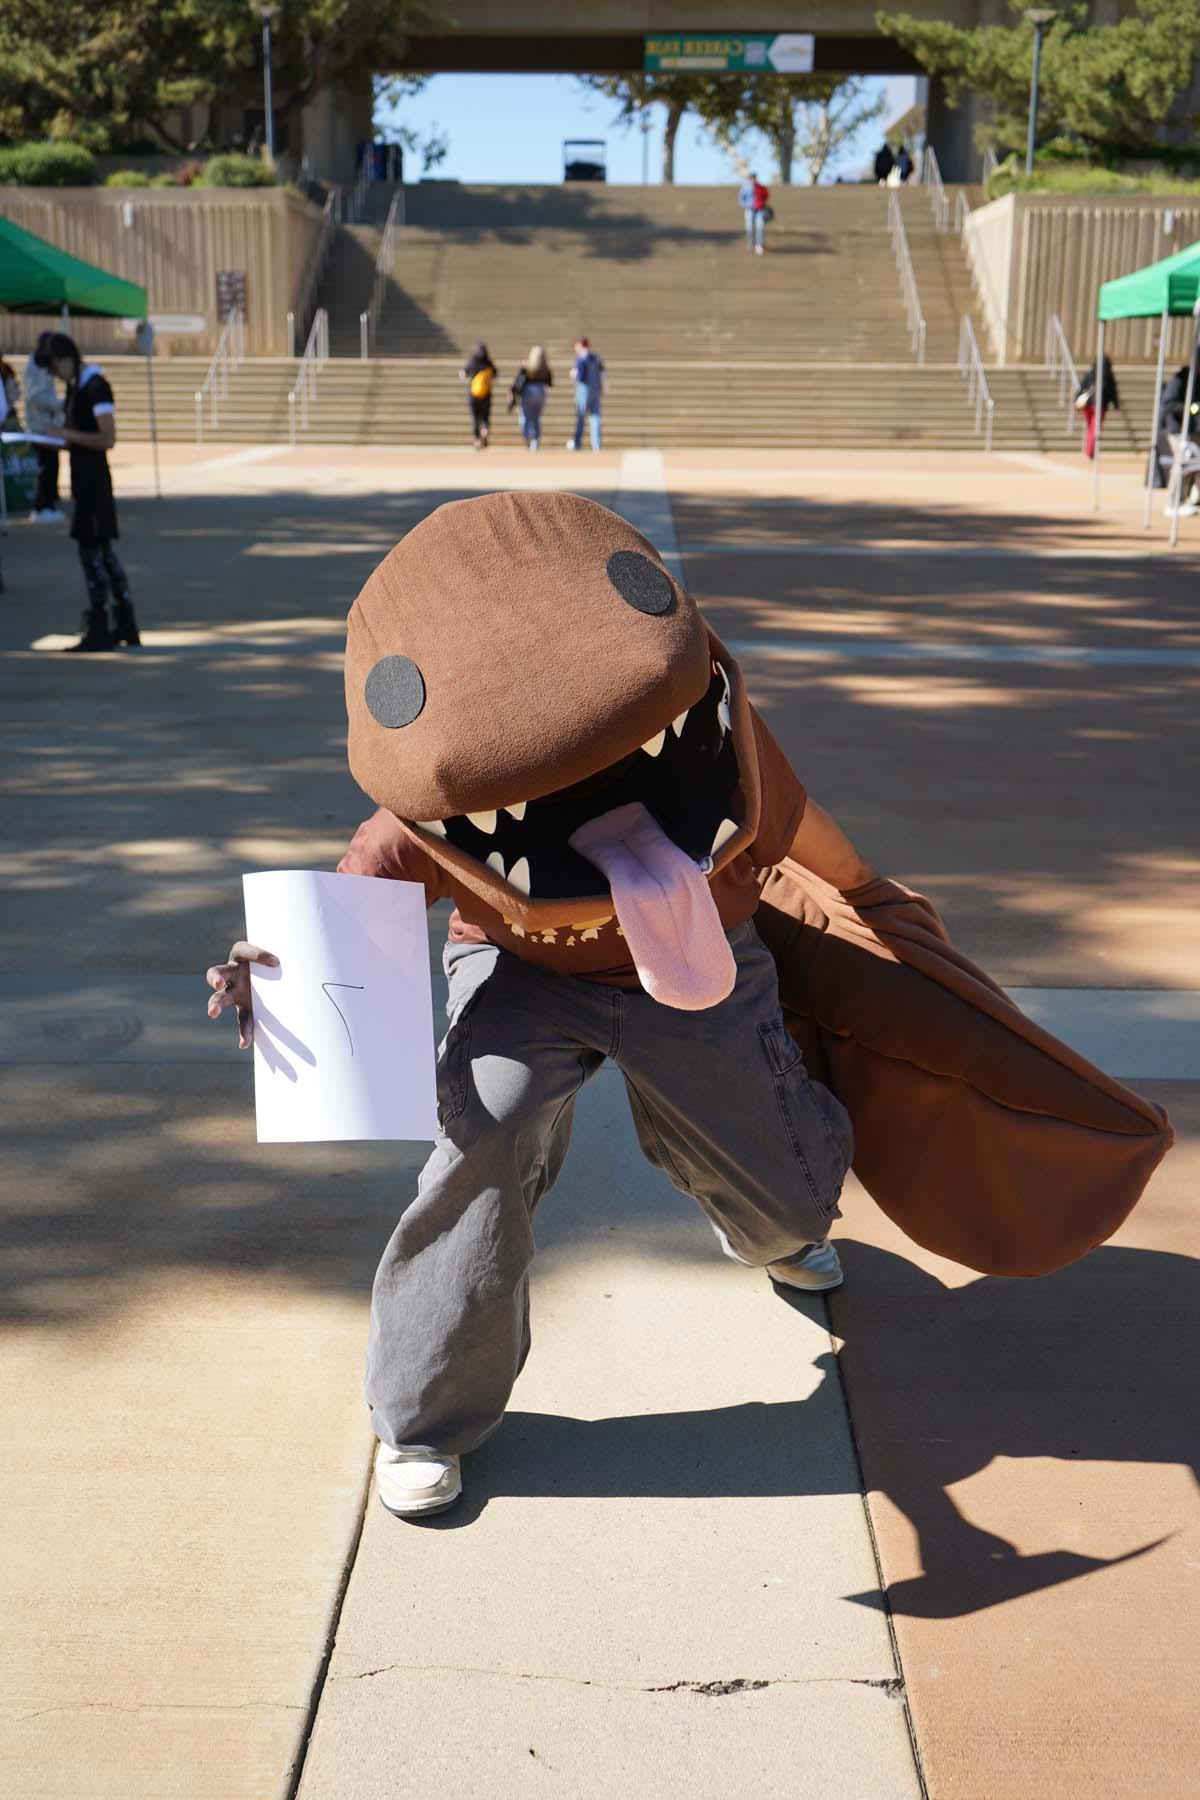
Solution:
(232, 983)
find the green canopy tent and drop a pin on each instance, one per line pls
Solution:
(38, 277)
(1164, 290)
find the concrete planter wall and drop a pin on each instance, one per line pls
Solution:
(174, 242)
(1038, 254)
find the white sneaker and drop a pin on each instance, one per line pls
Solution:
(815, 1269)
(415, 1480)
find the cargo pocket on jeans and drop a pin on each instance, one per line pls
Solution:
(817, 1125)
(454, 1070)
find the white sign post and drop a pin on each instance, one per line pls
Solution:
(343, 1028)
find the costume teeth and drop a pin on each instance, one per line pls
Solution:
(496, 861)
(432, 825)
(723, 713)
(725, 830)
(518, 875)
(483, 821)
(678, 724)
(516, 812)
(653, 745)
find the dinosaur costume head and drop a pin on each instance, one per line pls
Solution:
(522, 665)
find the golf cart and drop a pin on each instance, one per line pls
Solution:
(584, 159)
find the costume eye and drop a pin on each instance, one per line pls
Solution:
(394, 691)
(640, 583)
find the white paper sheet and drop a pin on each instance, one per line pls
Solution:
(343, 1029)
(31, 437)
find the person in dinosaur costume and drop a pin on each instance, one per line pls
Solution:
(557, 743)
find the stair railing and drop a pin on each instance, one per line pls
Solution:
(1060, 362)
(355, 199)
(979, 395)
(322, 250)
(962, 211)
(931, 177)
(316, 354)
(908, 279)
(368, 321)
(230, 350)
(991, 162)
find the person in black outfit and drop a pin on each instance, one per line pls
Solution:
(90, 433)
(884, 163)
(479, 372)
(904, 163)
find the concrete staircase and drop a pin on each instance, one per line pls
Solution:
(420, 401)
(806, 347)
(647, 273)
(346, 286)
(944, 282)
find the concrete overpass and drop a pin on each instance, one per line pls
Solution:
(605, 37)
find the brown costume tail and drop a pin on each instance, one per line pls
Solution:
(984, 1138)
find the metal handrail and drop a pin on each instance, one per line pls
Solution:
(353, 201)
(908, 279)
(1060, 362)
(316, 355)
(962, 211)
(991, 162)
(322, 251)
(979, 395)
(230, 350)
(931, 177)
(368, 321)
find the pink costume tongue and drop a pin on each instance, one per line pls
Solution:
(667, 913)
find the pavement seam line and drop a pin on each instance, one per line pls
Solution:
(880, 1578)
(335, 1619)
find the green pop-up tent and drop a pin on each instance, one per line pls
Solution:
(38, 277)
(1164, 290)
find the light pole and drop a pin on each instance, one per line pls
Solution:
(1039, 17)
(266, 10)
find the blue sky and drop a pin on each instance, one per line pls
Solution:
(511, 128)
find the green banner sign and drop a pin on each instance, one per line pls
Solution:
(714, 53)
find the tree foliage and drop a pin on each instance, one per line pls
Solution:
(805, 118)
(107, 72)
(808, 119)
(711, 97)
(1109, 85)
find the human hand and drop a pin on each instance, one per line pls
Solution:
(232, 983)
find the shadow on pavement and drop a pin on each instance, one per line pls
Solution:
(1094, 1364)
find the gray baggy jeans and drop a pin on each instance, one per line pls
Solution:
(721, 1103)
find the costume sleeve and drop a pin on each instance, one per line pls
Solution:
(100, 396)
(381, 847)
(783, 800)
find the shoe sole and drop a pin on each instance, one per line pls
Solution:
(808, 1287)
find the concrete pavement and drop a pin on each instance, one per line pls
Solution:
(663, 1575)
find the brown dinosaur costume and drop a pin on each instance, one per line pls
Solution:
(522, 666)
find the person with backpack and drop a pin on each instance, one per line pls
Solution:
(89, 434)
(1085, 401)
(590, 383)
(479, 372)
(529, 388)
(761, 213)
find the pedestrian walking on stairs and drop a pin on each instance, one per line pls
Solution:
(479, 372)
